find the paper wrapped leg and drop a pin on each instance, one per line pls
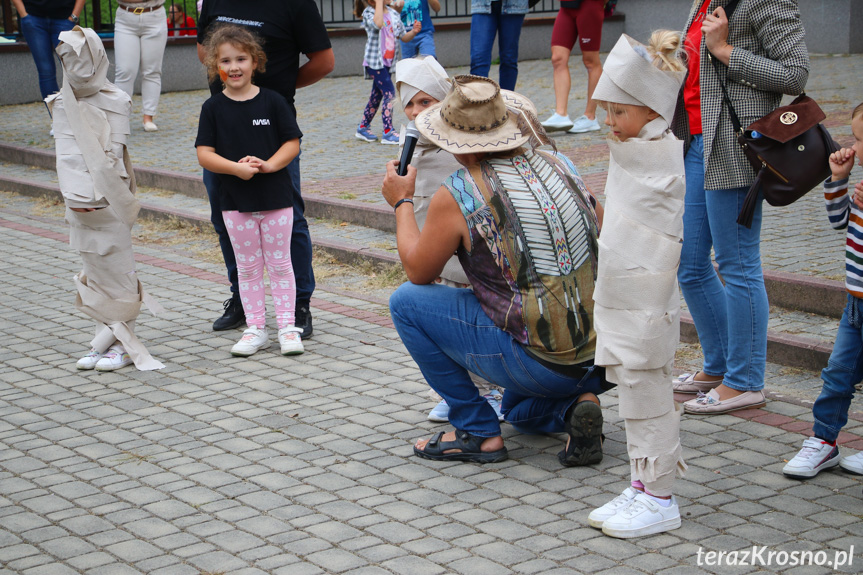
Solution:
(652, 427)
(108, 287)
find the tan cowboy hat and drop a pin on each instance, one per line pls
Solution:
(475, 117)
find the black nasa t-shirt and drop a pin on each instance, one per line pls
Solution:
(256, 127)
(287, 28)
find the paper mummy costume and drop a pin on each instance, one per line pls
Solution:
(637, 303)
(91, 123)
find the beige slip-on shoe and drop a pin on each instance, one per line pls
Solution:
(710, 404)
(686, 383)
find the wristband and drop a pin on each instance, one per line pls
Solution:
(402, 201)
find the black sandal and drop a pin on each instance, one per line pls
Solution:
(469, 447)
(584, 428)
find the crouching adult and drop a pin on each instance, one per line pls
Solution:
(524, 228)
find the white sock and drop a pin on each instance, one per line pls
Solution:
(663, 502)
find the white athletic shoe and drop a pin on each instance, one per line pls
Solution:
(289, 340)
(853, 463)
(643, 516)
(440, 412)
(557, 122)
(115, 358)
(815, 456)
(253, 340)
(598, 516)
(90, 360)
(584, 124)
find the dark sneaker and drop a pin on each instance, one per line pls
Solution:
(303, 319)
(584, 428)
(233, 317)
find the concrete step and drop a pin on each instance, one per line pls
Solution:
(802, 317)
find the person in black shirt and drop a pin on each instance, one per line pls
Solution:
(287, 29)
(238, 129)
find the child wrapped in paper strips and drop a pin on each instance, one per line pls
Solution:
(637, 302)
(91, 123)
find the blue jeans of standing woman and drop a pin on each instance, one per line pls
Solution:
(731, 319)
(483, 29)
(844, 370)
(448, 334)
(42, 37)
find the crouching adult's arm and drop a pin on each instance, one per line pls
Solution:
(424, 253)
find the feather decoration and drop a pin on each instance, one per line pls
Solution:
(529, 125)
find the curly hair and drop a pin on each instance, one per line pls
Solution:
(239, 37)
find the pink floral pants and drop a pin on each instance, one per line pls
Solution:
(259, 239)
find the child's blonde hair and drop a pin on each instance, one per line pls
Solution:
(241, 39)
(664, 48)
(858, 111)
(665, 53)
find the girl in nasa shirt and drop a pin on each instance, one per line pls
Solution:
(248, 135)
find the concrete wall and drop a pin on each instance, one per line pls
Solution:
(829, 27)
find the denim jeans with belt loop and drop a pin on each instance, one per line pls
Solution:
(448, 335)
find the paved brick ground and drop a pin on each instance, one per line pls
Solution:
(303, 465)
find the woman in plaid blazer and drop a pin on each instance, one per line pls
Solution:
(763, 57)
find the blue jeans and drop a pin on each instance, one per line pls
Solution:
(448, 335)
(42, 37)
(844, 370)
(483, 29)
(422, 44)
(731, 319)
(301, 240)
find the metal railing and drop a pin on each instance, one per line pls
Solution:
(99, 14)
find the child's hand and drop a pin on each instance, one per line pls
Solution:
(245, 170)
(262, 166)
(858, 195)
(841, 163)
(417, 26)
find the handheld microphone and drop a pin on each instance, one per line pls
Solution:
(411, 137)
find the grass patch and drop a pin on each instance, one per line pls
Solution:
(49, 206)
(199, 241)
(346, 196)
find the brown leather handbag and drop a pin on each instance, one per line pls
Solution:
(789, 150)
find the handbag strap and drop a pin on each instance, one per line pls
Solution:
(735, 121)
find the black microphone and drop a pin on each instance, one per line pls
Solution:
(411, 137)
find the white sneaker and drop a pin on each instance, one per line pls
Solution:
(289, 340)
(90, 360)
(150, 127)
(115, 358)
(643, 516)
(584, 124)
(598, 516)
(557, 122)
(815, 456)
(440, 412)
(853, 463)
(253, 339)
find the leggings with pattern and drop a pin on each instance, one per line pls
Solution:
(259, 239)
(382, 89)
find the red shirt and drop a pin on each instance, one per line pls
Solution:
(692, 86)
(187, 29)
